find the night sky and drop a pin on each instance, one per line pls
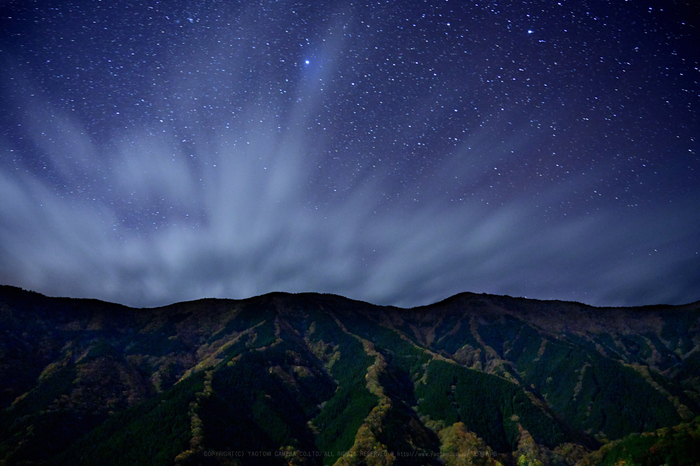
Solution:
(393, 152)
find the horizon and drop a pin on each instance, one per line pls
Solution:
(315, 293)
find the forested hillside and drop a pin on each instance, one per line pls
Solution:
(320, 379)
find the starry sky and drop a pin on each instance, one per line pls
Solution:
(396, 152)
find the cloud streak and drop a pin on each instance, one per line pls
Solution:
(245, 224)
(279, 186)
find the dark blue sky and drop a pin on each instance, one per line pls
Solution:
(394, 152)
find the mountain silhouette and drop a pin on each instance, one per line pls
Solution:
(314, 379)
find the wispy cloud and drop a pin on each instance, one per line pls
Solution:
(164, 228)
(192, 199)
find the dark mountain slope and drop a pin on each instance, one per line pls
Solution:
(320, 379)
(583, 361)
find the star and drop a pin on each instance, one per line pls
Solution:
(350, 149)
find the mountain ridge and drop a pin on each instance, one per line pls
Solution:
(5, 289)
(472, 377)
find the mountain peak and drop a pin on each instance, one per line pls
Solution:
(510, 379)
